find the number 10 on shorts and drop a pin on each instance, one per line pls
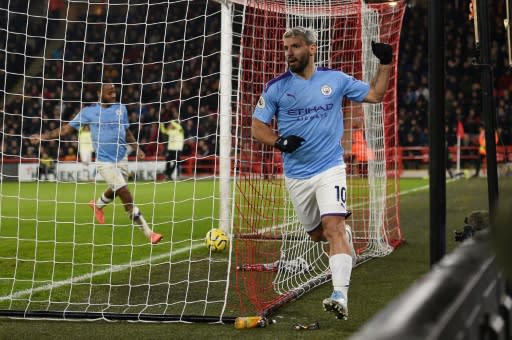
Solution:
(341, 194)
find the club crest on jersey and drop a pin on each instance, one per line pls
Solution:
(261, 103)
(118, 112)
(326, 90)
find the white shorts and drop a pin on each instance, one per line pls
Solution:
(321, 195)
(115, 174)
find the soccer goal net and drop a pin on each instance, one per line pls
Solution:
(187, 75)
(274, 241)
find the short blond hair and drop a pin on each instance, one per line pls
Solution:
(308, 34)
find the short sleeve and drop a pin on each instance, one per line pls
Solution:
(266, 106)
(78, 120)
(355, 90)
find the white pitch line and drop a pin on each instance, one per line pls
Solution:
(112, 269)
(121, 267)
(425, 187)
(410, 191)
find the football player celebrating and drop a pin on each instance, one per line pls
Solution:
(306, 101)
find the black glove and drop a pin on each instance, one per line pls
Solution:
(289, 144)
(383, 51)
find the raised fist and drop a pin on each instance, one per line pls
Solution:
(384, 52)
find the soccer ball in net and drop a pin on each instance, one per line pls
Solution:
(216, 240)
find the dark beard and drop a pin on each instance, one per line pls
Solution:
(300, 66)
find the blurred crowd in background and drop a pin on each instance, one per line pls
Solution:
(463, 101)
(171, 71)
(157, 84)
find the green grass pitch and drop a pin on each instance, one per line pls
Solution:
(48, 234)
(373, 284)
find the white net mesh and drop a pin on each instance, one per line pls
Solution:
(163, 59)
(202, 64)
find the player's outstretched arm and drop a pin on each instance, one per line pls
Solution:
(52, 134)
(379, 84)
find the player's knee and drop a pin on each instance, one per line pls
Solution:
(120, 191)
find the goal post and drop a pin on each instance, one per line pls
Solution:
(225, 116)
(202, 63)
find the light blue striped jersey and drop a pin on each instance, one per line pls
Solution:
(312, 110)
(108, 129)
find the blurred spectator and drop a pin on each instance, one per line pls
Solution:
(412, 163)
(203, 149)
(482, 151)
(466, 154)
(70, 155)
(448, 160)
(175, 142)
(359, 150)
(85, 146)
(46, 166)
